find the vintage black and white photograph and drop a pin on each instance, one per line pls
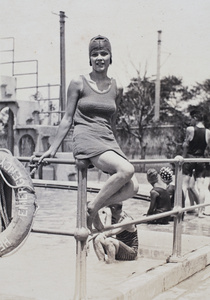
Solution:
(104, 150)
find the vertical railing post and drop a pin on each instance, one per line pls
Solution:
(177, 235)
(81, 232)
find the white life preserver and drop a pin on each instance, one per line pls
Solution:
(14, 174)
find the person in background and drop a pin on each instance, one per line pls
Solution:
(159, 198)
(120, 243)
(197, 138)
(166, 175)
(92, 106)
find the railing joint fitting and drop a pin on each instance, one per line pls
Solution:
(81, 234)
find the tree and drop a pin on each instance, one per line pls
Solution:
(136, 110)
(201, 100)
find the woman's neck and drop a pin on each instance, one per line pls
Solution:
(200, 125)
(117, 215)
(160, 184)
(101, 81)
(97, 77)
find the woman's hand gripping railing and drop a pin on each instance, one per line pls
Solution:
(35, 165)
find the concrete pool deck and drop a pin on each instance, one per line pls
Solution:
(44, 267)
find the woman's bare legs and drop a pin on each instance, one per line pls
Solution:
(189, 187)
(201, 190)
(120, 186)
(127, 191)
(98, 245)
(196, 190)
(106, 245)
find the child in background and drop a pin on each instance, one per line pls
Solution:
(120, 243)
(160, 199)
(166, 175)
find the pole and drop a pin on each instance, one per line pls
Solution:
(49, 106)
(62, 68)
(157, 84)
(81, 233)
(62, 63)
(177, 236)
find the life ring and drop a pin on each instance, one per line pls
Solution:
(22, 200)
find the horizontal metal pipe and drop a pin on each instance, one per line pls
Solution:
(172, 160)
(51, 112)
(55, 232)
(49, 85)
(133, 222)
(26, 61)
(133, 161)
(48, 160)
(153, 217)
(68, 185)
(23, 74)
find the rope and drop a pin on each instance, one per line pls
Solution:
(35, 165)
(4, 219)
(16, 186)
(2, 215)
(3, 206)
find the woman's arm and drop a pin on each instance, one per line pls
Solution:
(73, 93)
(188, 137)
(117, 101)
(130, 227)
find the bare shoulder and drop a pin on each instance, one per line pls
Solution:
(153, 192)
(190, 129)
(76, 83)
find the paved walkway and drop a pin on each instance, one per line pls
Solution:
(44, 267)
(194, 288)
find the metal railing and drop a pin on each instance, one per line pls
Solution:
(81, 233)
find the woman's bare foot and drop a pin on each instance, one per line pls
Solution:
(94, 221)
(89, 220)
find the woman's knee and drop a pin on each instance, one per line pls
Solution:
(127, 171)
(99, 239)
(135, 185)
(111, 243)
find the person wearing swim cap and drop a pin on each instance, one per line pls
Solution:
(92, 102)
(159, 198)
(100, 43)
(166, 174)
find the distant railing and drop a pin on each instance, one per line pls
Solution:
(32, 70)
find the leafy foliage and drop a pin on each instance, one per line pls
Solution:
(136, 111)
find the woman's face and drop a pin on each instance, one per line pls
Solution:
(100, 60)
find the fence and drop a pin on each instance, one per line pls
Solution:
(81, 233)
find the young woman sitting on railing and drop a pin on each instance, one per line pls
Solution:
(92, 105)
